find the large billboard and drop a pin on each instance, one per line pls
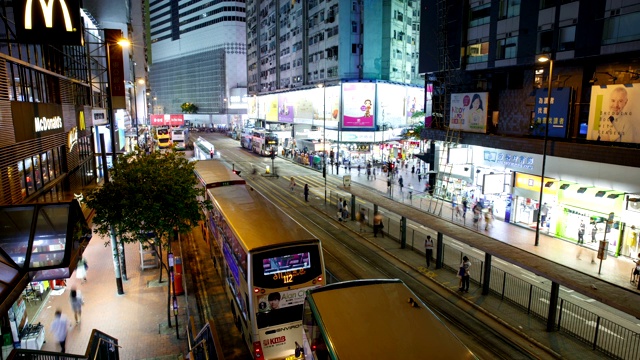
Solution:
(611, 113)
(469, 112)
(414, 103)
(358, 100)
(558, 116)
(285, 106)
(391, 105)
(270, 110)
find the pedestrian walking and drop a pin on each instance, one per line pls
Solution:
(378, 225)
(389, 185)
(211, 153)
(76, 304)
(362, 219)
(400, 182)
(413, 169)
(464, 272)
(81, 269)
(306, 192)
(581, 231)
(358, 169)
(465, 204)
(594, 232)
(488, 217)
(340, 209)
(59, 329)
(428, 249)
(410, 191)
(292, 183)
(419, 176)
(345, 211)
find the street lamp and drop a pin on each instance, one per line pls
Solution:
(324, 138)
(544, 58)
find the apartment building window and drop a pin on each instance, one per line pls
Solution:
(477, 53)
(545, 40)
(354, 27)
(507, 48)
(480, 15)
(621, 28)
(509, 8)
(567, 38)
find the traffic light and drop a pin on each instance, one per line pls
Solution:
(272, 154)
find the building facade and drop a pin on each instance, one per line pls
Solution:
(198, 56)
(587, 137)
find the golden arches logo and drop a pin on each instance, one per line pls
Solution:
(47, 11)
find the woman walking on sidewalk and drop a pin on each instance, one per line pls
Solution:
(76, 304)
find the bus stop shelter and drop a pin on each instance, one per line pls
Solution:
(41, 241)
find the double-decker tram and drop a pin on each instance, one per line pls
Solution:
(264, 141)
(374, 319)
(163, 136)
(268, 261)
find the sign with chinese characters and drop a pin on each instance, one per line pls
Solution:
(510, 160)
(558, 116)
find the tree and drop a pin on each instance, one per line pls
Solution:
(189, 108)
(149, 194)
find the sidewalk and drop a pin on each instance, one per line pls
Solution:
(615, 270)
(137, 319)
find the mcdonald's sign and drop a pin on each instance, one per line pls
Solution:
(55, 22)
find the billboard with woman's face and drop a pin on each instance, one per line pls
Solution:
(469, 112)
(611, 113)
(358, 104)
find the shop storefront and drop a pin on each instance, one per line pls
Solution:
(526, 202)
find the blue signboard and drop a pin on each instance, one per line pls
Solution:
(559, 115)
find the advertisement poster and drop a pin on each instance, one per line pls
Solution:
(559, 115)
(279, 300)
(304, 103)
(415, 102)
(271, 107)
(285, 107)
(611, 113)
(469, 112)
(332, 105)
(252, 107)
(358, 104)
(167, 120)
(391, 103)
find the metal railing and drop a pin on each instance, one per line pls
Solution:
(602, 334)
(100, 347)
(206, 345)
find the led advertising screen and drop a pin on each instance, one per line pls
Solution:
(285, 106)
(469, 112)
(358, 100)
(611, 113)
(332, 105)
(304, 103)
(493, 183)
(558, 116)
(391, 104)
(414, 103)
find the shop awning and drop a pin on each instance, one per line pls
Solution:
(41, 241)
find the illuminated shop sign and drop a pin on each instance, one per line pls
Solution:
(46, 124)
(72, 139)
(55, 22)
(511, 160)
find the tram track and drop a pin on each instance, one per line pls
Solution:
(351, 256)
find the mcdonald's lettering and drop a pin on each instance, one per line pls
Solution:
(47, 11)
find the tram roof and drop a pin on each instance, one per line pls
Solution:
(255, 220)
(374, 319)
(213, 173)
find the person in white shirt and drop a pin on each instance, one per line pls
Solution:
(428, 250)
(59, 328)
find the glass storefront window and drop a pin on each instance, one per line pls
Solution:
(36, 172)
(12, 220)
(45, 167)
(50, 166)
(23, 185)
(50, 237)
(28, 170)
(56, 162)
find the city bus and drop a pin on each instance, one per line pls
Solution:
(163, 136)
(266, 259)
(374, 319)
(179, 138)
(246, 138)
(264, 141)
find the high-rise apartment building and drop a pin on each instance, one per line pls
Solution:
(568, 129)
(199, 57)
(292, 43)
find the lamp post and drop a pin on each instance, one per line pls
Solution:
(324, 138)
(115, 79)
(543, 59)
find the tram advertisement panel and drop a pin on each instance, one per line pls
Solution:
(358, 104)
(611, 113)
(469, 112)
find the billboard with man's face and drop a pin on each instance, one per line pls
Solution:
(611, 113)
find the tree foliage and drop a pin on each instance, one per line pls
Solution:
(148, 193)
(189, 108)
